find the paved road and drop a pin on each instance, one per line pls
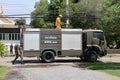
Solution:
(56, 72)
(61, 69)
(34, 61)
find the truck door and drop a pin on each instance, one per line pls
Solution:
(99, 39)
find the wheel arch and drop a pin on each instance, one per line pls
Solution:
(48, 55)
(49, 50)
(93, 48)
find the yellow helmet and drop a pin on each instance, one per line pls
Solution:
(60, 15)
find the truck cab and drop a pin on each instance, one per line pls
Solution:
(94, 45)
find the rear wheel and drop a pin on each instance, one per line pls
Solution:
(48, 56)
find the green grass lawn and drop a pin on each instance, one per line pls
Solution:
(3, 71)
(112, 72)
(110, 68)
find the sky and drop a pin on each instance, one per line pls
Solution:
(15, 7)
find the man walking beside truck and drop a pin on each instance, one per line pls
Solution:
(18, 52)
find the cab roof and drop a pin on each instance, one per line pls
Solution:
(92, 30)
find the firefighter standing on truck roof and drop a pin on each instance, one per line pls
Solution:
(58, 22)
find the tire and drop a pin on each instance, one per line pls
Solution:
(92, 56)
(82, 58)
(48, 56)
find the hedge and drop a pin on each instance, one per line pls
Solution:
(113, 51)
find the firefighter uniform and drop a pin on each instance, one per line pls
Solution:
(58, 22)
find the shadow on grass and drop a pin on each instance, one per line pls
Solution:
(102, 66)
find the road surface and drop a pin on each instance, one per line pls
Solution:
(61, 69)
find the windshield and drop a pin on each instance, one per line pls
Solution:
(98, 35)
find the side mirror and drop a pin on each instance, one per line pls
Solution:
(101, 42)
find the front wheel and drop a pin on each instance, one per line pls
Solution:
(48, 56)
(92, 56)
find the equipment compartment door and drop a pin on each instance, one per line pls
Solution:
(31, 41)
(71, 42)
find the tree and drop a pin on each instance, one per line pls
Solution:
(75, 1)
(45, 13)
(2, 49)
(84, 13)
(110, 20)
(20, 21)
(40, 14)
(54, 10)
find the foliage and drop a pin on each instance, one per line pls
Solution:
(54, 10)
(82, 13)
(20, 21)
(75, 1)
(40, 15)
(113, 51)
(85, 14)
(110, 20)
(110, 68)
(2, 49)
(3, 71)
(103, 14)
